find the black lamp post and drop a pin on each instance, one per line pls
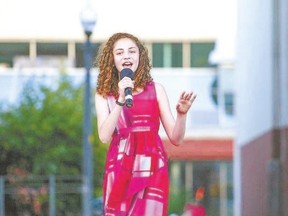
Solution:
(88, 20)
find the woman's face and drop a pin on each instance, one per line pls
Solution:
(126, 54)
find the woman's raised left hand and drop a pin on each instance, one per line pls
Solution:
(185, 101)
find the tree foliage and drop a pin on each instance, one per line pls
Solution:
(42, 135)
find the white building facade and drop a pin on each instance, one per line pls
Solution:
(262, 109)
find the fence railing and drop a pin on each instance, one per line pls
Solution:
(40, 195)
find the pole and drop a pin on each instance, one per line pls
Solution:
(2, 196)
(87, 147)
(52, 189)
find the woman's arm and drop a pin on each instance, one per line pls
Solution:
(107, 120)
(175, 130)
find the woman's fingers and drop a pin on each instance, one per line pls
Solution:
(189, 96)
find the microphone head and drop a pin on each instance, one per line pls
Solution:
(126, 72)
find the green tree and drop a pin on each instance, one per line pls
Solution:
(42, 135)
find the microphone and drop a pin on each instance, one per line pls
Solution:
(126, 72)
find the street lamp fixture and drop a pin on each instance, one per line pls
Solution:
(88, 21)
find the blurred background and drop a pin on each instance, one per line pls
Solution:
(233, 54)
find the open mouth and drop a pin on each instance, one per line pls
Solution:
(127, 64)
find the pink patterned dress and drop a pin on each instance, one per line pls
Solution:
(136, 175)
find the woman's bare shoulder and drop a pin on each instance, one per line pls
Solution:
(159, 88)
(100, 98)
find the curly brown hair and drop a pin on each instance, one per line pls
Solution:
(108, 77)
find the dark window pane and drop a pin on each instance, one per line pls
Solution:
(214, 91)
(158, 55)
(59, 49)
(200, 54)
(229, 103)
(8, 51)
(176, 55)
(80, 53)
(204, 186)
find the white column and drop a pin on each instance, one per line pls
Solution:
(32, 50)
(189, 180)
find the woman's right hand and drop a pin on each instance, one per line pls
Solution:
(124, 83)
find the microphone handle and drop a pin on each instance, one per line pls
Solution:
(128, 97)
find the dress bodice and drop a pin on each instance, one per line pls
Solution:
(144, 115)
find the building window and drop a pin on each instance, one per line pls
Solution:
(214, 91)
(80, 53)
(55, 49)
(199, 54)
(158, 55)
(229, 103)
(167, 55)
(8, 52)
(212, 179)
(177, 57)
(52, 55)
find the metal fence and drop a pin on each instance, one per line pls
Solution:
(41, 195)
